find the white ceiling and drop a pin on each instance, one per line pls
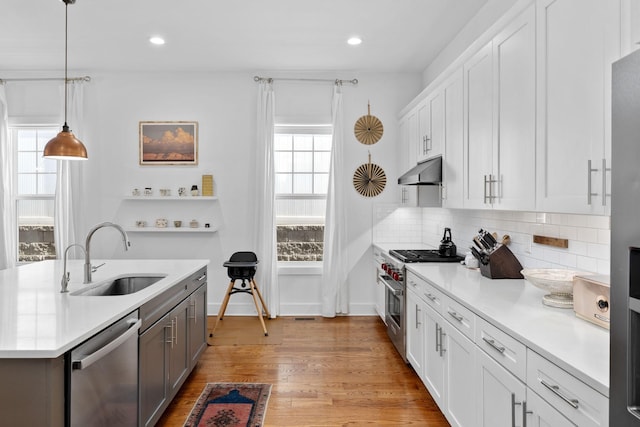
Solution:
(215, 35)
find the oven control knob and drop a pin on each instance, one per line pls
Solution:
(384, 267)
(602, 303)
(397, 276)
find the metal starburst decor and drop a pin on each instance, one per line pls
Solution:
(369, 179)
(368, 129)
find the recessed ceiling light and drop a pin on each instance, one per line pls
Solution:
(354, 41)
(156, 40)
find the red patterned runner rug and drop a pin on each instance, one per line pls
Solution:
(230, 405)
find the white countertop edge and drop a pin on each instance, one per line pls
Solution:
(118, 306)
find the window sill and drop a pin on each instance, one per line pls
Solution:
(299, 268)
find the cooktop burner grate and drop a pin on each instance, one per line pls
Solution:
(422, 255)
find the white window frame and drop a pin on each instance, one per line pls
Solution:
(16, 198)
(301, 267)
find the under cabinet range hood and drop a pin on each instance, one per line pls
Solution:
(428, 172)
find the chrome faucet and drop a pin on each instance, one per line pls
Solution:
(87, 253)
(66, 275)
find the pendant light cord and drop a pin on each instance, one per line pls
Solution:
(66, 32)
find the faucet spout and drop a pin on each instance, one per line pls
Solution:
(87, 245)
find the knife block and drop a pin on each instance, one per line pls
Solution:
(502, 264)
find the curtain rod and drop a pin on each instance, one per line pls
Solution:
(41, 79)
(336, 81)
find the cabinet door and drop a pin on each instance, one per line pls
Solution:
(515, 114)
(154, 357)
(453, 149)
(540, 414)
(459, 353)
(478, 81)
(178, 355)
(415, 333)
(434, 368)
(436, 124)
(431, 126)
(408, 128)
(574, 106)
(197, 324)
(422, 142)
(499, 394)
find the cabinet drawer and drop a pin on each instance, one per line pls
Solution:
(507, 351)
(460, 317)
(415, 284)
(577, 401)
(426, 291)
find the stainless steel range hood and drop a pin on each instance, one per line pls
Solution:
(428, 172)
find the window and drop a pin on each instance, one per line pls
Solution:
(302, 158)
(35, 185)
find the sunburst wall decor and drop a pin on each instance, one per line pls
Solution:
(368, 129)
(369, 179)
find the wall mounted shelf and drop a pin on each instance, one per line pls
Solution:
(171, 198)
(170, 230)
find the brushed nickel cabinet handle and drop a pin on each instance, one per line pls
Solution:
(605, 169)
(493, 345)
(455, 316)
(574, 403)
(589, 192)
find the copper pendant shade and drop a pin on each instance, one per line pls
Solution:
(65, 146)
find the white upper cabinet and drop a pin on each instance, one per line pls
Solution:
(500, 120)
(453, 158)
(408, 129)
(514, 139)
(478, 118)
(430, 140)
(577, 42)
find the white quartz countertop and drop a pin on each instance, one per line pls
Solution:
(515, 306)
(37, 321)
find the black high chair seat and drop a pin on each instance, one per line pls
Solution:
(243, 266)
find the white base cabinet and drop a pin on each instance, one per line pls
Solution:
(442, 356)
(479, 375)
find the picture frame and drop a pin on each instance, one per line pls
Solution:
(168, 143)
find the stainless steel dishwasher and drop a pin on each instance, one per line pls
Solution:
(104, 377)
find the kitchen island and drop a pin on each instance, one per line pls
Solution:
(40, 326)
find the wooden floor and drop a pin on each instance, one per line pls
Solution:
(326, 372)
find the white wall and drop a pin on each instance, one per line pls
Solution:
(224, 105)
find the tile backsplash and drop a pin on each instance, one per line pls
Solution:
(588, 235)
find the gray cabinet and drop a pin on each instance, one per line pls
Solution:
(171, 347)
(197, 325)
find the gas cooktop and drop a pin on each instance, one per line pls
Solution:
(422, 255)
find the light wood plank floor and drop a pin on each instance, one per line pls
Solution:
(326, 372)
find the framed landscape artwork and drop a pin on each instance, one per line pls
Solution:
(168, 143)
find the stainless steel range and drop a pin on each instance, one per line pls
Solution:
(392, 274)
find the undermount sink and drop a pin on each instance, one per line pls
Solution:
(120, 286)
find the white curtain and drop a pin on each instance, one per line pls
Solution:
(68, 220)
(8, 229)
(265, 221)
(335, 296)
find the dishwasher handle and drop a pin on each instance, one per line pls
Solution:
(87, 360)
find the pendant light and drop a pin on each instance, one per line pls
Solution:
(65, 146)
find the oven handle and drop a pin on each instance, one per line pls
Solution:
(394, 290)
(90, 359)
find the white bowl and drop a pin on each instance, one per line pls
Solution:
(558, 282)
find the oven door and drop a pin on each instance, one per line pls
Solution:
(394, 315)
